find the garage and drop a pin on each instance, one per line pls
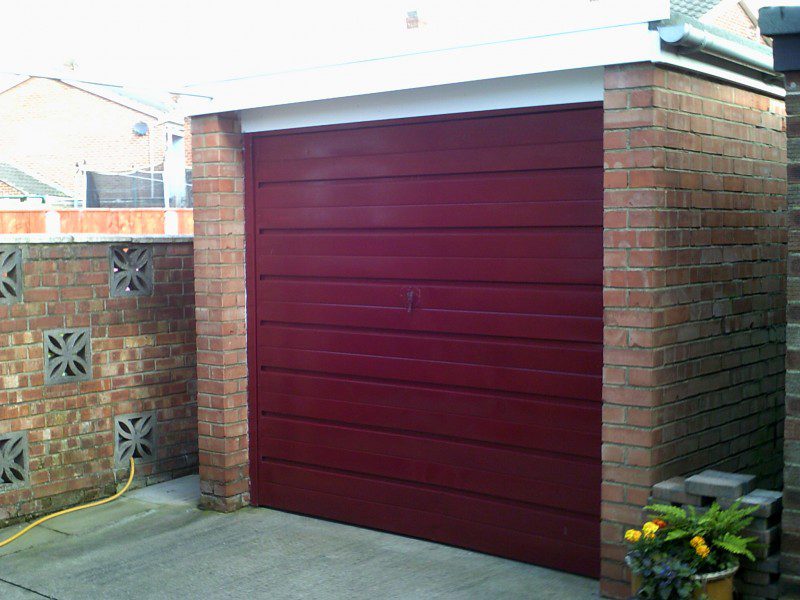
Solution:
(425, 312)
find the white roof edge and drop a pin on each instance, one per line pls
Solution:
(538, 89)
(610, 45)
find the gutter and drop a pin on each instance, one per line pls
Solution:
(691, 38)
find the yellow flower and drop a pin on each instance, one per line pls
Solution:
(650, 529)
(633, 535)
(702, 550)
(697, 541)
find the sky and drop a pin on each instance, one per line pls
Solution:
(169, 43)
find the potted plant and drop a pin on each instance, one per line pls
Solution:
(685, 553)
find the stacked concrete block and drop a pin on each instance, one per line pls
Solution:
(757, 580)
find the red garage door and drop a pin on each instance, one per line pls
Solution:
(426, 327)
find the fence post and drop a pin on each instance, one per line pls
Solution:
(52, 222)
(170, 222)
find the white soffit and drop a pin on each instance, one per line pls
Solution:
(549, 53)
(561, 87)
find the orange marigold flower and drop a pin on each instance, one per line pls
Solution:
(697, 541)
(650, 529)
(633, 535)
(702, 550)
(660, 523)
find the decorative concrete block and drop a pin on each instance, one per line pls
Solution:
(770, 592)
(130, 271)
(770, 538)
(10, 275)
(673, 491)
(769, 503)
(14, 470)
(717, 484)
(771, 564)
(67, 355)
(763, 552)
(761, 523)
(756, 577)
(135, 437)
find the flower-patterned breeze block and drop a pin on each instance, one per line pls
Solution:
(130, 271)
(14, 471)
(717, 484)
(67, 355)
(135, 437)
(10, 275)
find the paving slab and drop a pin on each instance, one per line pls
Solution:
(38, 536)
(84, 521)
(13, 592)
(179, 552)
(185, 490)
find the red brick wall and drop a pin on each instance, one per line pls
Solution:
(218, 177)
(790, 544)
(695, 259)
(143, 360)
(49, 126)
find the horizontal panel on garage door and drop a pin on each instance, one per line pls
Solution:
(427, 320)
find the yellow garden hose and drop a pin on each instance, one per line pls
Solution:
(19, 534)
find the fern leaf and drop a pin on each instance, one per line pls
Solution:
(677, 534)
(667, 512)
(735, 545)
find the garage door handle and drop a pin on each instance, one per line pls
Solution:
(409, 301)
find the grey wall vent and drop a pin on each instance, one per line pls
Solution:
(67, 355)
(10, 275)
(135, 436)
(130, 271)
(13, 460)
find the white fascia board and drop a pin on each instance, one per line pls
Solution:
(561, 87)
(577, 50)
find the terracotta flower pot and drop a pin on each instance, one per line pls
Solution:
(715, 586)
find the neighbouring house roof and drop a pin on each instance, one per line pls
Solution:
(143, 102)
(161, 105)
(693, 8)
(27, 183)
(733, 16)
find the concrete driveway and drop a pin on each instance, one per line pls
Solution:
(155, 544)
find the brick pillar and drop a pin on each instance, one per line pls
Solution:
(694, 289)
(218, 188)
(790, 545)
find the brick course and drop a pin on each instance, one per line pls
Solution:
(218, 178)
(143, 359)
(790, 559)
(695, 255)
